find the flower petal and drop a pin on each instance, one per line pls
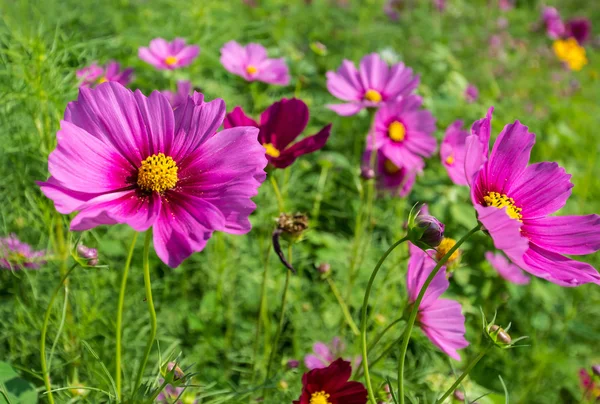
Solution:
(305, 146)
(507, 270)
(477, 146)
(373, 73)
(573, 235)
(420, 265)
(273, 71)
(401, 82)
(345, 83)
(238, 117)
(234, 58)
(157, 116)
(65, 200)
(444, 325)
(283, 122)
(345, 109)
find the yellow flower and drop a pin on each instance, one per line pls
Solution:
(570, 52)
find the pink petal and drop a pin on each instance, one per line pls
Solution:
(373, 73)
(273, 71)
(238, 117)
(283, 122)
(401, 82)
(345, 109)
(234, 58)
(312, 362)
(187, 55)
(65, 200)
(444, 324)
(157, 116)
(477, 146)
(573, 235)
(420, 265)
(345, 84)
(256, 54)
(149, 57)
(507, 270)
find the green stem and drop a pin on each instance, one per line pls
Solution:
(363, 319)
(157, 392)
(120, 316)
(280, 203)
(382, 333)
(261, 308)
(384, 354)
(415, 309)
(344, 307)
(151, 311)
(60, 327)
(45, 373)
(464, 374)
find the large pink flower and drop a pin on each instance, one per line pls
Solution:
(452, 152)
(95, 74)
(251, 63)
(403, 132)
(169, 55)
(440, 319)
(373, 85)
(179, 97)
(123, 157)
(513, 201)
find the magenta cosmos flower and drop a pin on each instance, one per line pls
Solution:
(579, 28)
(555, 28)
(452, 152)
(15, 255)
(94, 74)
(123, 157)
(514, 200)
(251, 63)
(373, 85)
(169, 55)
(323, 355)
(389, 177)
(279, 126)
(440, 319)
(403, 132)
(179, 97)
(506, 269)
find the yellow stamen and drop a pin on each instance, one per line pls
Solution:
(320, 397)
(102, 80)
(501, 200)
(444, 247)
(450, 160)
(397, 131)
(251, 69)
(171, 60)
(373, 96)
(158, 173)
(570, 52)
(271, 150)
(390, 167)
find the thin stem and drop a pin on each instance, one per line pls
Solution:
(382, 333)
(465, 373)
(261, 308)
(384, 354)
(415, 309)
(363, 318)
(344, 307)
(280, 203)
(151, 311)
(157, 392)
(60, 327)
(281, 317)
(45, 373)
(120, 315)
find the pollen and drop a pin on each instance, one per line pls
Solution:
(320, 397)
(373, 96)
(390, 167)
(571, 53)
(397, 131)
(102, 79)
(450, 160)
(271, 150)
(171, 60)
(445, 246)
(251, 69)
(500, 201)
(158, 173)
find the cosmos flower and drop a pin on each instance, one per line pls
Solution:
(171, 393)
(570, 53)
(591, 388)
(169, 55)
(440, 319)
(390, 178)
(280, 125)
(123, 157)
(323, 355)
(178, 98)
(251, 63)
(514, 202)
(506, 269)
(578, 28)
(330, 385)
(452, 152)
(403, 132)
(94, 74)
(553, 23)
(15, 255)
(372, 86)
(471, 93)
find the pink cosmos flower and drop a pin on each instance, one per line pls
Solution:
(452, 152)
(471, 93)
(403, 132)
(579, 28)
(169, 55)
(390, 178)
(251, 63)
(323, 355)
(94, 74)
(372, 86)
(506, 269)
(178, 98)
(16, 255)
(591, 388)
(280, 125)
(553, 23)
(440, 319)
(513, 201)
(123, 157)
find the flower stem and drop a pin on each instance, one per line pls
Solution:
(363, 318)
(382, 333)
(415, 309)
(261, 309)
(465, 373)
(45, 373)
(344, 307)
(280, 203)
(120, 316)
(151, 311)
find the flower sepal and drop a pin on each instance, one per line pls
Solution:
(498, 335)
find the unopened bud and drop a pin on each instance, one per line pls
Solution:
(88, 254)
(324, 268)
(596, 370)
(459, 395)
(293, 364)
(500, 334)
(367, 172)
(77, 391)
(433, 230)
(178, 373)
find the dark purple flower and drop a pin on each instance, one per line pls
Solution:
(579, 28)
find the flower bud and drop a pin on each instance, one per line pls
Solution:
(596, 370)
(88, 254)
(283, 385)
(293, 364)
(76, 390)
(178, 373)
(459, 395)
(367, 172)
(324, 268)
(499, 334)
(433, 230)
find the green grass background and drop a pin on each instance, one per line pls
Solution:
(207, 308)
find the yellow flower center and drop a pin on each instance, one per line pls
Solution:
(501, 200)
(171, 60)
(373, 96)
(443, 249)
(102, 80)
(570, 52)
(320, 397)
(397, 131)
(390, 167)
(251, 69)
(271, 150)
(450, 160)
(158, 173)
